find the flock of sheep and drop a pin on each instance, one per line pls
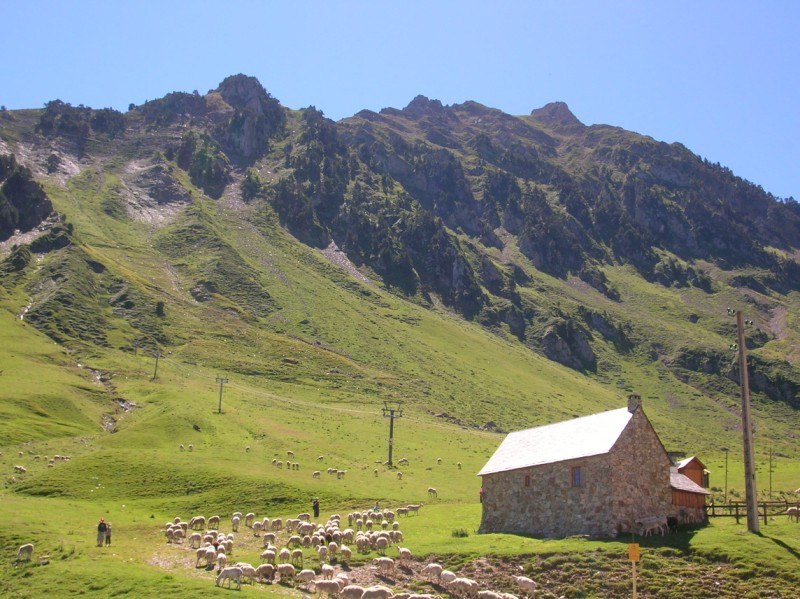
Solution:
(283, 557)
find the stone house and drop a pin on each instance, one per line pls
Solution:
(595, 475)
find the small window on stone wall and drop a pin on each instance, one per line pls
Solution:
(527, 480)
(576, 476)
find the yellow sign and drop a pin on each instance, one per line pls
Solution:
(633, 552)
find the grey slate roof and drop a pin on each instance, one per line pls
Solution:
(568, 440)
(684, 483)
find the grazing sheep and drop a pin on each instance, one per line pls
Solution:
(433, 493)
(197, 523)
(399, 476)
(465, 586)
(402, 511)
(316, 474)
(377, 592)
(235, 523)
(265, 571)
(248, 519)
(432, 571)
(438, 460)
(446, 577)
(793, 511)
(396, 536)
(306, 576)
(284, 556)
(268, 556)
(414, 507)
(402, 461)
(257, 526)
(247, 449)
(248, 571)
(195, 540)
(181, 447)
(211, 555)
(327, 571)
(489, 595)
(190, 447)
(25, 552)
(230, 573)
(213, 522)
(328, 587)
(320, 458)
(381, 543)
(405, 554)
(222, 560)
(304, 517)
(526, 584)
(290, 454)
(384, 564)
(459, 465)
(351, 591)
(277, 524)
(375, 472)
(286, 571)
(297, 557)
(322, 553)
(269, 538)
(346, 554)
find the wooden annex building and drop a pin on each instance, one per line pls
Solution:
(595, 475)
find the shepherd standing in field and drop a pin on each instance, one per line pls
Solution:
(102, 528)
(315, 506)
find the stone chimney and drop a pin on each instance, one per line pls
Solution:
(634, 402)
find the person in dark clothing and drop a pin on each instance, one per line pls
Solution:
(102, 528)
(315, 506)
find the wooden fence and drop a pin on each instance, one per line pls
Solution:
(738, 509)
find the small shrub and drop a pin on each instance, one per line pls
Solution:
(460, 533)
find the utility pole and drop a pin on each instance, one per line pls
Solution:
(725, 449)
(221, 380)
(157, 355)
(747, 427)
(391, 410)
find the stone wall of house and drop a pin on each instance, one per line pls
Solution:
(640, 482)
(548, 506)
(630, 482)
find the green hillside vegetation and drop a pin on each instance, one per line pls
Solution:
(485, 281)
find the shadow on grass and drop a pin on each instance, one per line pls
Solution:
(781, 544)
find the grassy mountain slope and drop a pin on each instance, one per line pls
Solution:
(481, 283)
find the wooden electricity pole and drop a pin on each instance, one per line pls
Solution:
(747, 430)
(157, 355)
(221, 380)
(391, 410)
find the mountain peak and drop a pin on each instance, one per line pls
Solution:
(422, 105)
(555, 113)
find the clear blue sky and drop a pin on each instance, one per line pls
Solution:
(721, 77)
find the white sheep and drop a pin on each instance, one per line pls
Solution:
(381, 543)
(25, 552)
(181, 447)
(329, 587)
(230, 573)
(402, 461)
(489, 595)
(459, 465)
(248, 519)
(235, 523)
(290, 454)
(384, 564)
(399, 476)
(446, 577)
(432, 571)
(286, 571)
(306, 576)
(322, 553)
(297, 557)
(248, 571)
(346, 554)
(195, 540)
(268, 556)
(414, 507)
(266, 571)
(351, 591)
(465, 586)
(327, 571)
(526, 584)
(316, 474)
(404, 554)
(284, 556)
(377, 592)
(213, 522)
(190, 447)
(375, 472)
(433, 493)
(222, 560)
